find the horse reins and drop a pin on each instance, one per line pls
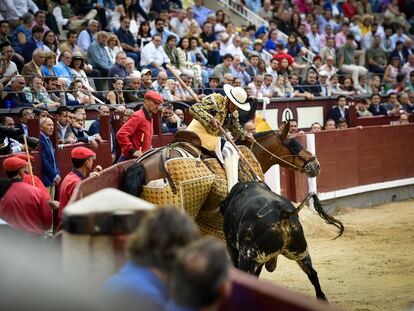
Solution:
(277, 157)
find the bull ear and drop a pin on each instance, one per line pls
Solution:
(284, 131)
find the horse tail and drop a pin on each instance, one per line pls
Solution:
(133, 179)
(328, 218)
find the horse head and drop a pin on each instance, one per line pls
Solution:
(277, 147)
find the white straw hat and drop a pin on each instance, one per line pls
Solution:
(237, 96)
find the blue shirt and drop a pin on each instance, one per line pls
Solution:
(201, 13)
(139, 281)
(63, 71)
(125, 36)
(98, 57)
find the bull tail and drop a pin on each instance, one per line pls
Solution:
(328, 218)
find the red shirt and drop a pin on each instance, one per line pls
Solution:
(25, 207)
(349, 10)
(281, 55)
(136, 133)
(66, 189)
(37, 183)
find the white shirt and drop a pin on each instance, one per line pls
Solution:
(179, 26)
(57, 12)
(395, 37)
(273, 73)
(224, 47)
(11, 69)
(314, 42)
(14, 9)
(235, 52)
(256, 92)
(151, 54)
(112, 52)
(267, 91)
(84, 40)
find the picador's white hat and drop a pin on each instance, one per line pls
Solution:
(237, 95)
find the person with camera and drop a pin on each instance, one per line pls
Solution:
(8, 68)
(169, 121)
(7, 141)
(23, 206)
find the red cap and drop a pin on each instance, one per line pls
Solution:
(81, 153)
(13, 164)
(154, 96)
(23, 156)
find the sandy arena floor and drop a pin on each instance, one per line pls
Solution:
(371, 267)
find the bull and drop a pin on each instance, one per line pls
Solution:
(259, 225)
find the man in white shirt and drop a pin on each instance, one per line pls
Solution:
(87, 36)
(235, 49)
(256, 86)
(153, 56)
(267, 88)
(398, 36)
(178, 25)
(272, 69)
(14, 9)
(10, 68)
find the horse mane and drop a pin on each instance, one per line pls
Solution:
(263, 134)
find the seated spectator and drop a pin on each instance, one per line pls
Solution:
(50, 85)
(144, 34)
(159, 85)
(14, 95)
(316, 127)
(399, 35)
(23, 33)
(293, 126)
(283, 88)
(348, 86)
(35, 42)
(127, 40)
(66, 17)
(78, 68)
(50, 42)
(407, 101)
(79, 94)
(329, 67)
(339, 111)
(314, 39)
(375, 106)
(34, 67)
(86, 36)
(40, 20)
(209, 44)
(62, 69)
(298, 90)
(295, 49)
(400, 53)
(153, 56)
(169, 121)
(170, 48)
(181, 119)
(4, 32)
(71, 42)
(63, 131)
(8, 68)
(80, 132)
(173, 88)
(116, 95)
(408, 68)
(118, 70)
(24, 115)
(273, 68)
(130, 67)
(228, 79)
(146, 82)
(95, 128)
(212, 86)
(161, 30)
(221, 69)
(323, 82)
(272, 41)
(393, 107)
(152, 251)
(132, 92)
(342, 123)
(267, 88)
(330, 125)
(256, 86)
(376, 56)
(23, 206)
(97, 55)
(113, 47)
(200, 278)
(374, 85)
(362, 108)
(50, 62)
(363, 88)
(346, 59)
(178, 25)
(50, 169)
(37, 95)
(311, 85)
(238, 71)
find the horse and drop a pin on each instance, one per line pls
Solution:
(269, 148)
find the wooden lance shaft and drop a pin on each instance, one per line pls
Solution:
(191, 92)
(26, 147)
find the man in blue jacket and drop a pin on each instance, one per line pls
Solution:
(50, 169)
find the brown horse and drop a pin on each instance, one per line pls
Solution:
(270, 148)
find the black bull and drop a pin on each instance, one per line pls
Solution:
(259, 225)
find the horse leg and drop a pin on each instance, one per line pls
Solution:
(306, 266)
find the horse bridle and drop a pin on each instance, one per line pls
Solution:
(281, 158)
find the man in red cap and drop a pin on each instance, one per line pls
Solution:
(27, 178)
(135, 136)
(22, 206)
(82, 159)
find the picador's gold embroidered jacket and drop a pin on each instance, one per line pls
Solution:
(214, 105)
